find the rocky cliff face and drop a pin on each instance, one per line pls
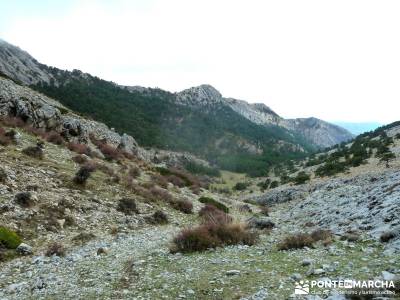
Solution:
(19, 65)
(45, 113)
(318, 131)
(315, 131)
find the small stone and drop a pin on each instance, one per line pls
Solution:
(306, 262)
(296, 276)
(318, 271)
(102, 250)
(190, 291)
(388, 276)
(232, 272)
(24, 249)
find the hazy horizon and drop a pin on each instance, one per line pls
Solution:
(334, 61)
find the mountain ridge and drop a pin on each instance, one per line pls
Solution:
(231, 133)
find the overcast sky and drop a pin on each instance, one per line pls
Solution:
(335, 60)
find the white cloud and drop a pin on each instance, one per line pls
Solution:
(336, 60)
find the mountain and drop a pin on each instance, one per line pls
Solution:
(231, 133)
(358, 128)
(316, 132)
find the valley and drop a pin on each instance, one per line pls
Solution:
(114, 192)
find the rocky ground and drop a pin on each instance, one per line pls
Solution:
(124, 257)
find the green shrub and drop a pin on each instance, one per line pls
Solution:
(9, 238)
(331, 168)
(274, 184)
(196, 168)
(264, 185)
(241, 186)
(219, 205)
(302, 177)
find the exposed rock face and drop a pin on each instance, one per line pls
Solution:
(19, 65)
(46, 113)
(365, 203)
(203, 95)
(315, 131)
(318, 132)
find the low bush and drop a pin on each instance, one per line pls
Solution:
(24, 199)
(4, 140)
(8, 238)
(83, 237)
(241, 186)
(175, 180)
(34, 151)
(219, 205)
(134, 172)
(184, 206)
(161, 194)
(56, 249)
(83, 174)
(321, 235)
(80, 159)
(79, 148)
(127, 206)
(302, 240)
(12, 122)
(187, 178)
(212, 215)
(296, 241)
(159, 180)
(274, 184)
(264, 185)
(3, 176)
(245, 208)
(301, 178)
(200, 169)
(260, 223)
(109, 152)
(158, 217)
(210, 236)
(387, 236)
(55, 138)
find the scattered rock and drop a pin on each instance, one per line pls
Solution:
(260, 223)
(232, 272)
(24, 249)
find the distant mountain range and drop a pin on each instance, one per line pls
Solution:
(358, 128)
(231, 133)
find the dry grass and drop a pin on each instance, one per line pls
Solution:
(209, 236)
(55, 249)
(296, 241)
(211, 215)
(301, 240)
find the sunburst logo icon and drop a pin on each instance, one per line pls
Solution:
(302, 287)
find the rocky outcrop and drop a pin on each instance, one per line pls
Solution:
(366, 203)
(46, 113)
(19, 65)
(315, 131)
(318, 132)
(200, 96)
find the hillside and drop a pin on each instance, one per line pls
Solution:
(111, 235)
(232, 134)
